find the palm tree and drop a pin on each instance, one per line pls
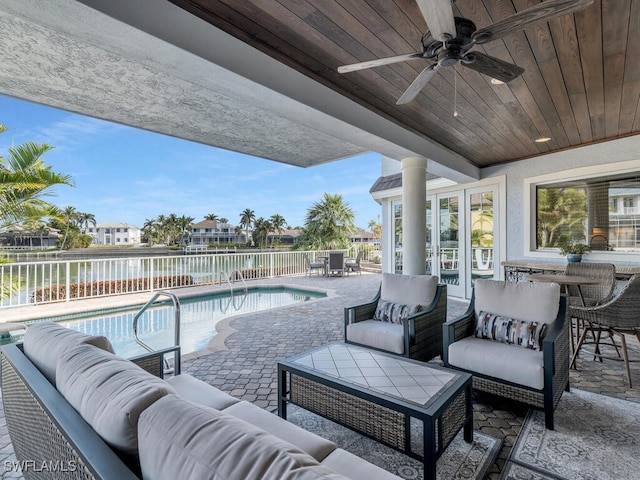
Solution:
(85, 219)
(261, 230)
(185, 224)
(223, 220)
(24, 180)
(70, 217)
(277, 224)
(247, 217)
(376, 227)
(211, 216)
(328, 224)
(150, 230)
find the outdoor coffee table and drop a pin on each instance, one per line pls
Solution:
(377, 394)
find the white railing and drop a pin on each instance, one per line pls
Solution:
(59, 280)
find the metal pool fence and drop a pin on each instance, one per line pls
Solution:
(64, 280)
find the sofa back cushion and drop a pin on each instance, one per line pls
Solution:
(409, 289)
(109, 392)
(44, 343)
(180, 439)
(530, 301)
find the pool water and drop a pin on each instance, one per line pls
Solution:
(198, 319)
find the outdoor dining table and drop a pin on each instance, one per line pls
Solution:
(565, 281)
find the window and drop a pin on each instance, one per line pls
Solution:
(602, 212)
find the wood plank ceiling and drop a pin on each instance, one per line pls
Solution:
(581, 82)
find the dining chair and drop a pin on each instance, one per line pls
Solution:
(336, 264)
(619, 315)
(353, 265)
(591, 294)
(311, 266)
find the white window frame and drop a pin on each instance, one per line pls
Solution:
(582, 173)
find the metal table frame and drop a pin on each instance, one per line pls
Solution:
(383, 417)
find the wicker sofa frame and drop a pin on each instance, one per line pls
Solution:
(555, 351)
(50, 439)
(422, 331)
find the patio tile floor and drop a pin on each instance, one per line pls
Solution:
(242, 358)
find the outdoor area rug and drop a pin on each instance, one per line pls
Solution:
(459, 461)
(595, 437)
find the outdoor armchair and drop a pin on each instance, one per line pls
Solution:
(514, 340)
(405, 317)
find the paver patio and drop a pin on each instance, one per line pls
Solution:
(242, 358)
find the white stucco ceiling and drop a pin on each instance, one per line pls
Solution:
(164, 70)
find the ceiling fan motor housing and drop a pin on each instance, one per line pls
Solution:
(450, 52)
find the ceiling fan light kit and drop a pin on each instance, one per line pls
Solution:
(449, 39)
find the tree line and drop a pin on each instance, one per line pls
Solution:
(25, 180)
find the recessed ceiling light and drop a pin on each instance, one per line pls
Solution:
(542, 139)
(495, 81)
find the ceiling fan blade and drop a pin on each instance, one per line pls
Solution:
(491, 66)
(540, 13)
(439, 17)
(418, 84)
(377, 63)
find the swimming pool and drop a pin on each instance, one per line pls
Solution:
(198, 318)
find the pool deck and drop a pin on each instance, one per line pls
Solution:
(242, 358)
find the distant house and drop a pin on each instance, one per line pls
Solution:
(210, 232)
(114, 234)
(286, 237)
(362, 236)
(21, 238)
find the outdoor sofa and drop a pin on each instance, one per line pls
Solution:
(74, 409)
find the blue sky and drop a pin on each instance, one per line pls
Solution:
(128, 175)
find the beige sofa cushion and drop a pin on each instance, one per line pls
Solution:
(308, 442)
(180, 439)
(409, 289)
(109, 392)
(499, 360)
(355, 468)
(532, 301)
(374, 333)
(200, 392)
(44, 343)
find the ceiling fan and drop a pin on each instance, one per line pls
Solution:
(450, 38)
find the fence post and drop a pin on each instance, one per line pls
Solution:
(68, 280)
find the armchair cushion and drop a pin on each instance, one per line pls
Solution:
(531, 301)
(522, 333)
(409, 289)
(394, 312)
(373, 333)
(499, 360)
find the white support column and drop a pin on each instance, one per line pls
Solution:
(414, 200)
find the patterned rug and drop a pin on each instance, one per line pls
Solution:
(459, 461)
(595, 438)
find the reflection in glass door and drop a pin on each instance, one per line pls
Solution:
(445, 257)
(482, 225)
(397, 237)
